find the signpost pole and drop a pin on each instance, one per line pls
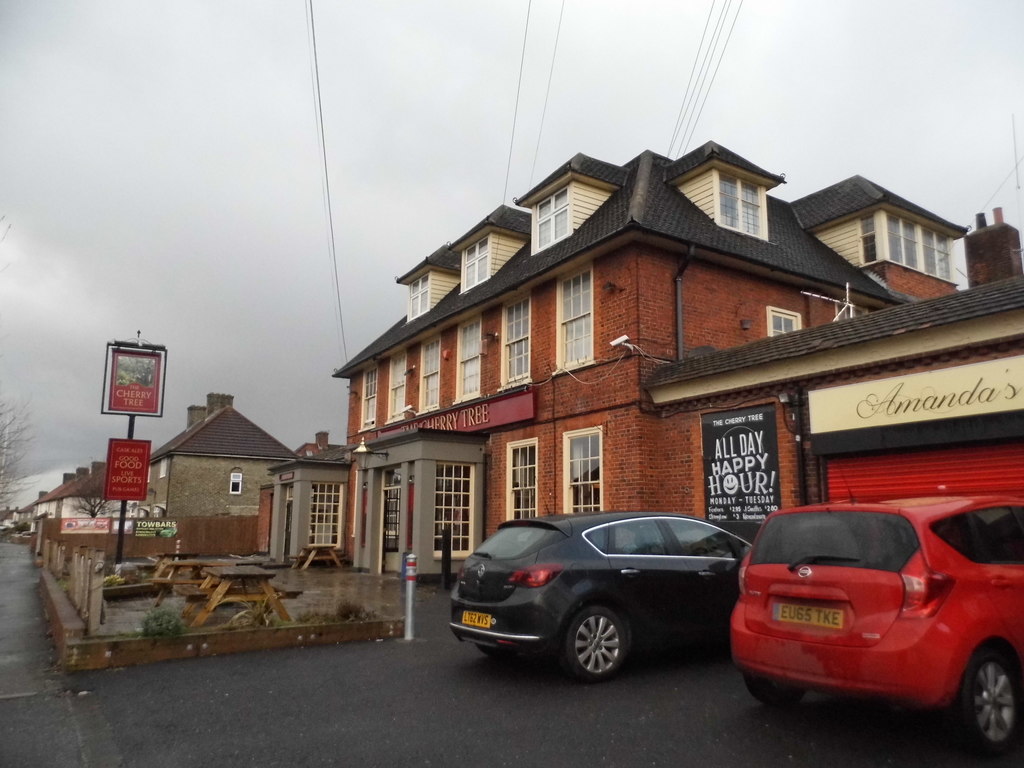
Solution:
(124, 504)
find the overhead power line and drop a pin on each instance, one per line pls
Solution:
(515, 112)
(322, 141)
(547, 94)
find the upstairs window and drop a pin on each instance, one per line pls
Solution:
(553, 219)
(430, 385)
(740, 204)
(902, 242)
(476, 265)
(469, 359)
(419, 297)
(936, 254)
(370, 398)
(577, 320)
(517, 341)
(867, 239)
(781, 321)
(235, 483)
(397, 400)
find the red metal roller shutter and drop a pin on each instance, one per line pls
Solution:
(950, 471)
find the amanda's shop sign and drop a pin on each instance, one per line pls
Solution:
(968, 390)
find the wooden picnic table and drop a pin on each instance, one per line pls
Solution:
(167, 558)
(185, 571)
(230, 584)
(313, 553)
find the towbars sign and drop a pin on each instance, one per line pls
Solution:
(741, 464)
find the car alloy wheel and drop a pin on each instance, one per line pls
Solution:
(595, 644)
(988, 703)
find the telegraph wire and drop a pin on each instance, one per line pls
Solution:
(515, 112)
(322, 141)
(689, 82)
(547, 93)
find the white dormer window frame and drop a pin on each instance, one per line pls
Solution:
(476, 264)
(741, 205)
(552, 215)
(419, 296)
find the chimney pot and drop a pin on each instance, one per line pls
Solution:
(997, 214)
(979, 221)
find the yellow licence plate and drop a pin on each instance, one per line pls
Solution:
(808, 615)
(474, 619)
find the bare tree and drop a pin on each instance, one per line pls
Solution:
(14, 439)
(88, 499)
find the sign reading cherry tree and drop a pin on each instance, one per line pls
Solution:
(134, 380)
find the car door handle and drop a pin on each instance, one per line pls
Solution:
(1001, 583)
(706, 574)
(630, 572)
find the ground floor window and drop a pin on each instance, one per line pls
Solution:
(522, 480)
(324, 513)
(452, 505)
(582, 471)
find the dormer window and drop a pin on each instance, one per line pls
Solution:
(740, 205)
(419, 297)
(476, 264)
(553, 218)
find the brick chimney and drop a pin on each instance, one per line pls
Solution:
(196, 413)
(82, 472)
(215, 402)
(98, 469)
(992, 251)
(68, 477)
(321, 441)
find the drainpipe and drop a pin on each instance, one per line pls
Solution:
(684, 262)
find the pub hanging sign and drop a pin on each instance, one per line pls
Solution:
(134, 379)
(741, 464)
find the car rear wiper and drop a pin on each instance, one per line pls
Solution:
(809, 559)
(486, 555)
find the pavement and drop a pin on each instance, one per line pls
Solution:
(33, 697)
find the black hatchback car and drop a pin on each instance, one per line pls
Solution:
(590, 588)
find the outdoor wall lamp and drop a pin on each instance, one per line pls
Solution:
(362, 450)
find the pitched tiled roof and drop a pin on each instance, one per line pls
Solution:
(584, 166)
(647, 202)
(979, 302)
(226, 432)
(851, 196)
(89, 484)
(710, 151)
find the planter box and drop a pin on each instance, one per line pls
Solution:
(78, 653)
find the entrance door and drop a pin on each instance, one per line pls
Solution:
(288, 495)
(391, 508)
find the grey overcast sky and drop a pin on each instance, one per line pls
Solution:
(160, 169)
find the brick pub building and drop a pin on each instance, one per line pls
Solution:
(668, 335)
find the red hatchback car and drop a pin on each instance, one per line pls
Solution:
(916, 601)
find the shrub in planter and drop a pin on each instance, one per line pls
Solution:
(162, 622)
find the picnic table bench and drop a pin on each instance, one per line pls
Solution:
(229, 584)
(316, 553)
(173, 573)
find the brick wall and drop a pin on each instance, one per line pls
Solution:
(198, 486)
(910, 281)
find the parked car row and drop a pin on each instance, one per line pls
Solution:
(918, 602)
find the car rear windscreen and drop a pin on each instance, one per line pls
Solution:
(852, 539)
(517, 541)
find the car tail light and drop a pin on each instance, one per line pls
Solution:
(743, 578)
(535, 575)
(924, 590)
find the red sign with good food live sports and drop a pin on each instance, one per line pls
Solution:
(134, 383)
(127, 470)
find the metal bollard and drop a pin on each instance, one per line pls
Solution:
(410, 593)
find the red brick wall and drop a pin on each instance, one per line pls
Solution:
(910, 281)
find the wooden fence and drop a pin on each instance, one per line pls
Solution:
(83, 567)
(195, 535)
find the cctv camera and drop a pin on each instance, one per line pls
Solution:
(619, 341)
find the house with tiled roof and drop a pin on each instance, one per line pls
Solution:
(533, 370)
(214, 467)
(80, 494)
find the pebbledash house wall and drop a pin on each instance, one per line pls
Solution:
(199, 486)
